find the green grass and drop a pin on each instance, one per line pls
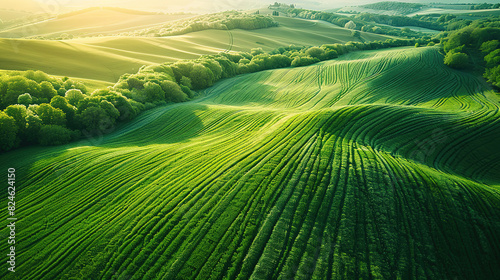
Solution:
(88, 22)
(422, 29)
(458, 12)
(107, 58)
(377, 165)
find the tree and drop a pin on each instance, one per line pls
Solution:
(60, 102)
(489, 46)
(417, 45)
(152, 92)
(73, 96)
(201, 77)
(457, 39)
(54, 135)
(356, 34)
(315, 52)
(15, 86)
(9, 132)
(303, 61)
(133, 82)
(186, 81)
(33, 125)
(18, 113)
(25, 99)
(94, 119)
(350, 25)
(47, 90)
(493, 58)
(456, 60)
(257, 51)
(173, 92)
(110, 110)
(493, 75)
(51, 115)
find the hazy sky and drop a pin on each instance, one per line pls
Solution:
(197, 6)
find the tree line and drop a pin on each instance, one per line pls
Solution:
(363, 22)
(39, 109)
(401, 7)
(384, 24)
(223, 21)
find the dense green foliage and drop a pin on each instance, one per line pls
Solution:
(484, 6)
(425, 22)
(381, 24)
(222, 21)
(456, 59)
(365, 22)
(478, 39)
(402, 7)
(379, 165)
(55, 104)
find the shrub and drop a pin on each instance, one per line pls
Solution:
(315, 52)
(350, 25)
(456, 60)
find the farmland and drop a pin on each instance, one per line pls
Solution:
(107, 58)
(363, 167)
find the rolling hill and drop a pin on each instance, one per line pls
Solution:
(458, 12)
(107, 58)
(90, 22)
(364, 167)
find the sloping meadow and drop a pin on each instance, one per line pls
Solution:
(380, 165)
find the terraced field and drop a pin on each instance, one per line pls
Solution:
(365, 167)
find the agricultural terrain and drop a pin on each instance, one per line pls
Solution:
(377, 165)
(107, 58)
(89, 22)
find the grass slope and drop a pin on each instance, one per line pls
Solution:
(89, 23)
(458, 12)
(108, 58)
(366, 167)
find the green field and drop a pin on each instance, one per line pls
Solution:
(378, 165)
(474, 13)
(422, 29)
(107, 58)
(88, 23)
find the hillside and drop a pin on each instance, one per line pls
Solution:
(364, 167)
(90, 22)
(385, 8)
(393, 8)
(107, 58)
(473, 13)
